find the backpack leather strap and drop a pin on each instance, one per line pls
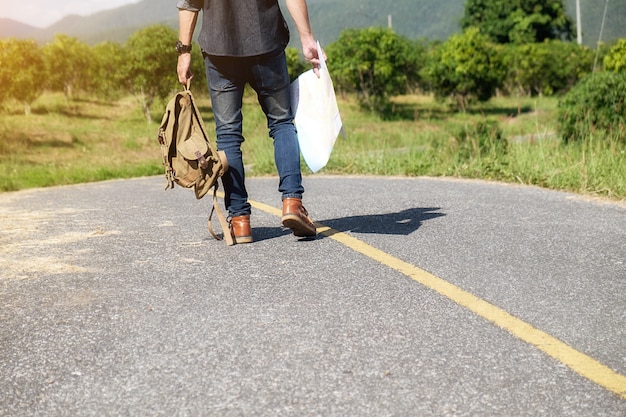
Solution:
(228, 237)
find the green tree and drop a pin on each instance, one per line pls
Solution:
(199, 84)
(615, 60)
(545, 68)
(570, 63)
(519, 21)
(375, 63)
(67, 65)
(467, 66)
(6, 59)
(526, 66)
(107, 72)
(21, 69)
(150, 73)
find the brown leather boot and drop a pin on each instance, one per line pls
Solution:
(240, 229)
(296, 218)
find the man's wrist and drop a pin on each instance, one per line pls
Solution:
(181, 48)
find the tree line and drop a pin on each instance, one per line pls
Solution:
(145, 66)
(512, 47)
(506, 47)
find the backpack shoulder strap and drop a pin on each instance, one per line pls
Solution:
(166, 137)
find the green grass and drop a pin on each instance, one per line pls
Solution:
(78, 141)
(507, 139)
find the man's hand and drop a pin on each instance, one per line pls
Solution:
(309, 50)
(300, 14)
(184, 68)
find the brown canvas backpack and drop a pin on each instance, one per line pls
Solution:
(189, 158)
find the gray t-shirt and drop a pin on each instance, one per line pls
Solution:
(239, 27)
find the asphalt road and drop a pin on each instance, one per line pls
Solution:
(422, 297)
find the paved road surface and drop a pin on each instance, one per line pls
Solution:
(423, 297)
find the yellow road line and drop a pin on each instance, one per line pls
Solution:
(266, 208)
(577, 361)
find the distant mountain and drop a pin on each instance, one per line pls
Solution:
(411, 18)
(12, 29)
(114, 24)
(415, 19)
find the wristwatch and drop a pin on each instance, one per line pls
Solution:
(182, 49)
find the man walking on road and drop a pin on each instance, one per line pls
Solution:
(243, 42)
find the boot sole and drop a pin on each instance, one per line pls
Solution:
(297, 226)
(242, 239)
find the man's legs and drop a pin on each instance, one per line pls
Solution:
(268, 75)
(270, 79)
(226, 77)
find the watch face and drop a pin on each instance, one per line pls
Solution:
(180, 48)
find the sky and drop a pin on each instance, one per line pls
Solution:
(43, 13)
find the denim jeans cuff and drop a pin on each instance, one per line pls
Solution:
(292, 196)
(241, 213)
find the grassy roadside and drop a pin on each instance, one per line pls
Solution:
(71, 142)
(64, 142)
(437, 142)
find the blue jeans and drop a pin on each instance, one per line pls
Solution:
(268, 76)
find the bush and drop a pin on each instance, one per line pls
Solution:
(465, 68)
(547, 68)
(597, 103)
(376, 63)
(482, 139)
(615, 59)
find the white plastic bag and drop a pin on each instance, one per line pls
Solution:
(317, 117)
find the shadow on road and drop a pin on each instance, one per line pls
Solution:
(403, 222)
(267, 233)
